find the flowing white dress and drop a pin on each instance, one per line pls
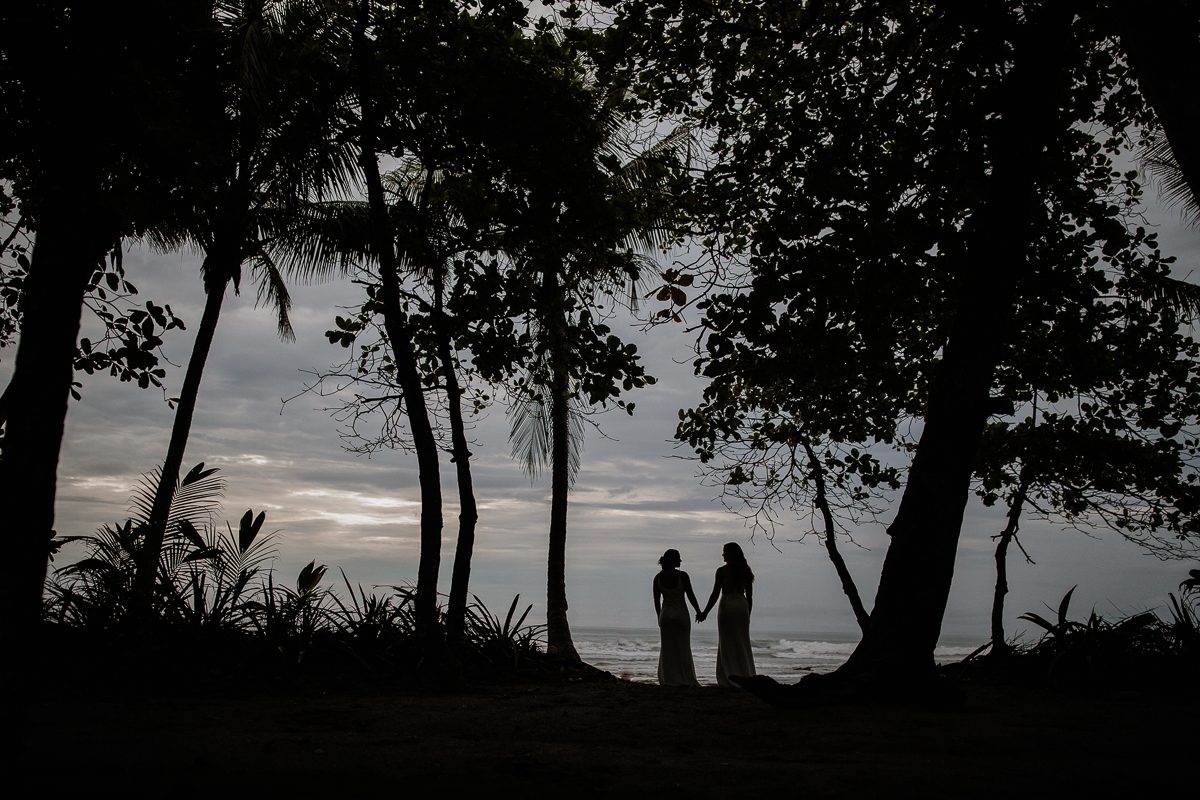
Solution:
(734, 656)
(675, 665)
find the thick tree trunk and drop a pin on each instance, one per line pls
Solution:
(917, 571)
(839, 563)
(147, 569)
(1161, 39)
(70, 242)
(919, 566)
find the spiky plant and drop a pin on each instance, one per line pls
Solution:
(501, 645)
(97, 591)
(204, 574)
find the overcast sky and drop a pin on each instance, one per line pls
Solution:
(633, 497)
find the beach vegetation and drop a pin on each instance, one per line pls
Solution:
(217, 591)
(129, 346)
(269, 147)
(496, 268)
(66, 68)
(1097, 653)
(916, 264)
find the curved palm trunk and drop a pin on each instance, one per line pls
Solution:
(919, 566)
(839, 563)
(147, 569)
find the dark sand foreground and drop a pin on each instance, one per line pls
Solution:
(614, 738)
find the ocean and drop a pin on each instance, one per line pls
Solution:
(632, 653)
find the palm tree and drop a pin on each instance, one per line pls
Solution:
(403, 231)
(1159, 39)
(1159, 161)
(560, 384)
(270, 154)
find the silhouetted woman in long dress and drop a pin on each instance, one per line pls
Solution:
(675, 666)
(735, 586)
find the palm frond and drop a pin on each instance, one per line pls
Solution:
(244, 552)
(407, 181)
(530, 435)
(194, 500)
(645, 169)
(318, 240)
(272, 290)
(1183, 296)
(1158, 160)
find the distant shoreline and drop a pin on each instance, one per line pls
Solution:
(838, 637)
(632, 653)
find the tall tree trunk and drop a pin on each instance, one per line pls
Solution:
(222, 268)
(68, 248)
(839, 563)
(1161, 40)
(468, 512)
(72, 239)
(558, 632)
(409, 377)
(395, 325)
(919, 566)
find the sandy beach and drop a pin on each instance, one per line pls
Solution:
(613, 738)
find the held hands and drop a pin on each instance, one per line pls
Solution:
(701, 616)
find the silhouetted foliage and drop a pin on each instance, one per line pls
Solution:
(270, 149)
(1137, 651)
(923, 202)
(66, 67)
(216, 590)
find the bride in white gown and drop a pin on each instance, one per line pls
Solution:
(735, 587)
(675, 665)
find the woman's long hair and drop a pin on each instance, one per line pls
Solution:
(740, 570)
